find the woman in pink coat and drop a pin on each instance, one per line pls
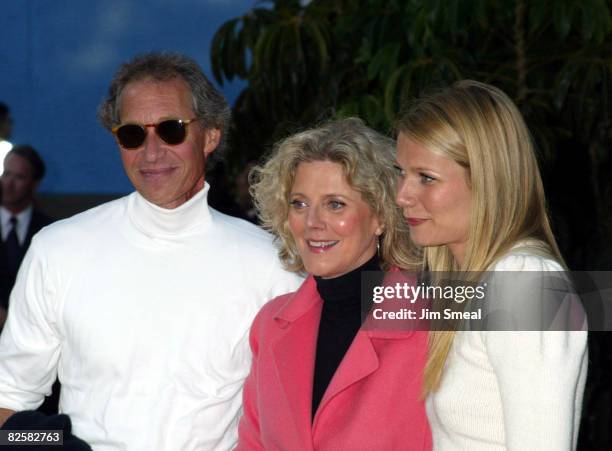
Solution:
(320, 379)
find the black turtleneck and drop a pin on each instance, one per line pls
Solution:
(341, 318)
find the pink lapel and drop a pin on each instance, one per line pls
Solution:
(361, 359)
(294, 356)
(359, 362)
(294, 353)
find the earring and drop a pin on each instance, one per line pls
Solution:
(379, 232)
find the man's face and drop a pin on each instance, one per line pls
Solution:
(18, 185)
(164, 174)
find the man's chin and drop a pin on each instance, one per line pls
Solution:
(168, 202)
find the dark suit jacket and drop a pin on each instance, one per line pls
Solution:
(7, 279)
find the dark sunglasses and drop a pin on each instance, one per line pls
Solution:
(171, 131)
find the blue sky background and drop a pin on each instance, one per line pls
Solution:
(56, 62)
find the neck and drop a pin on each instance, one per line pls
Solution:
(154, 220)
(458, 251)
(15, 209)
(185, 197)
(347, 285)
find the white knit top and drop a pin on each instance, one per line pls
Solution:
(145, 314)
(518, 391)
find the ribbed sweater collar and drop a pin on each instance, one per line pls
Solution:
(156, 221)
(344, 293)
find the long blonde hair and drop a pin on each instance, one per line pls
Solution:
(480, 128)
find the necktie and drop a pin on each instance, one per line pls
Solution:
(13, 248)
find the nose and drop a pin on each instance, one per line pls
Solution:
(314, 219)
(153, 148)
(405, 196)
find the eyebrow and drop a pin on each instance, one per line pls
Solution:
(327, 196)
(421, 168)
(415, 169)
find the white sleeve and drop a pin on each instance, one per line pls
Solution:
(30, 344)
(280, 281)
(541, 377)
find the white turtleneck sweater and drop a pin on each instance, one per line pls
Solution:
(144, 312)
(511, 390)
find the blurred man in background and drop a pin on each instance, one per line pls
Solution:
(19, 219)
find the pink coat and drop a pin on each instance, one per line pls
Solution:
(373, 401)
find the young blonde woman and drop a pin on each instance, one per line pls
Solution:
(472, 196)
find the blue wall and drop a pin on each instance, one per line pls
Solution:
(58, 57)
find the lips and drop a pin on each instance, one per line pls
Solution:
(415, 221)
(156, 172)
(320, 246)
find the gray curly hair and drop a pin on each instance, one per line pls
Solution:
(209, 105)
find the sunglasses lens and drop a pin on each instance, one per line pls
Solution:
(172, 131)
(131, 136)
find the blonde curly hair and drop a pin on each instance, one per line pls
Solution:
(367, 158)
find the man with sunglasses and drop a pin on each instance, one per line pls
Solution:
(143, 304)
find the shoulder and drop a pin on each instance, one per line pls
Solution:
(263, 326)
(524, 258)
(287, 307)
(86, 224)
(253, 253)
(275, 306)
(521, 280)
(244, 232)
